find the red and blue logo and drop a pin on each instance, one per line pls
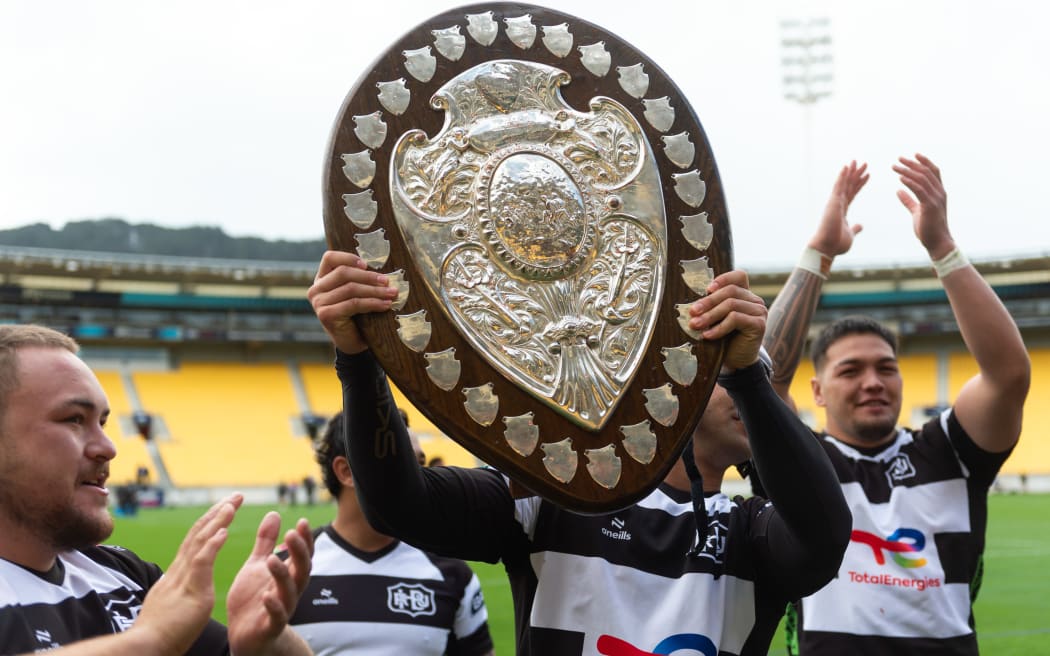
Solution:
(693, 642)
(899, 543)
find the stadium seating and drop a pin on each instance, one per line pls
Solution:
(1032, 454)
(325, 396)
(131, 448)
(228, 423)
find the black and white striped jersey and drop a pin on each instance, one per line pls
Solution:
(398, 600)
(624, 584)
(920, 511)
(88, 593)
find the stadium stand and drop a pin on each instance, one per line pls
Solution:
(1032, 455)
(131, 448)
(325, 395)
(229, 423)
(229, 359)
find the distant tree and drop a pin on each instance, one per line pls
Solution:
(118, 236)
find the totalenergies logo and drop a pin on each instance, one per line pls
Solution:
(691, 642)
(900, 542)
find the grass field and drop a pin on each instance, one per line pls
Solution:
(1013, 610)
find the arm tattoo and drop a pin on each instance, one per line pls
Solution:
(788, 326)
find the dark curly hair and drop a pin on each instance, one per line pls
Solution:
(329, 445)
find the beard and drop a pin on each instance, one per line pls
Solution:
(61, 525)
(874, 432)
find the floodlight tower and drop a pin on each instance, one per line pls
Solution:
(808, 74)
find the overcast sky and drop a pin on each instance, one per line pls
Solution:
(208, 112)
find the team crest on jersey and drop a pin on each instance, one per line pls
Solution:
(715, 543)
(900, 468)
(123, 612)
(413, 599)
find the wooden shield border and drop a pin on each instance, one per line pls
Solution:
(701, 237)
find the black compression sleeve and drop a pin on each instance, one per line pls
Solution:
(463, 513)
(805, 537)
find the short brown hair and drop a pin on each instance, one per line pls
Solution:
(18, 336)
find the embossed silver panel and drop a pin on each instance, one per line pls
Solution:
(398, 282)
(595, 58)
(659, 113)
(633, 80)
(449, 42)
(521, 31)
(482, 404)
(414, 330)
(558, 39)
(604, 466)
(370, 129)
(482, 27)
(639, 441)
(521, 434)
(683, 320)
(541, 230)
(359, 168)
(560, 460)
(697, 274)
(689, 187)
(662, 404)
(697, 230)
(443, 368)
(679, 149)
(373, 248)
(420, 63)
(394, 96)
(680, 363)
(360, 209)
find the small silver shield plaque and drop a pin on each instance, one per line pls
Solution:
(481, 404)
(394, 96)
(443, 368)
(662, 404)
(482, 27)
(659, 113)
(370, 129)
(420, 64)
(596, 58)
(361, 209)
(558, 39)
(689, 187)
(449, 42)
(521, 31)
(359, 168)
(521, 434)
(560, 460)
(633, 80)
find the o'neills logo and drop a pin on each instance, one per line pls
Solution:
(891, 581)
(620, 533)
(616, 535)
(326, 598)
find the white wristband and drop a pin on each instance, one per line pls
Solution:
(816, 262)
(950, 262)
